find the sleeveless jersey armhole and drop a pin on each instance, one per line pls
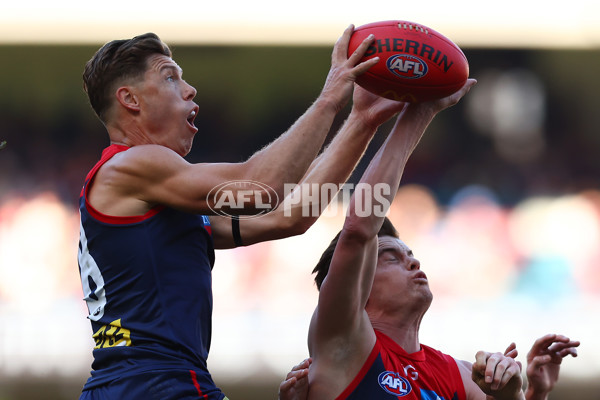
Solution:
(361, 374)
(107, 154)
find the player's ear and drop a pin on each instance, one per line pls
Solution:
(127, 98)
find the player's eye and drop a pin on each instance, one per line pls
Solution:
(389, 257)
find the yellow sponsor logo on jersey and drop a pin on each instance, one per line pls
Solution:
(112, 335)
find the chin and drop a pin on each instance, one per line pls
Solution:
(185, 148)
(428, 298)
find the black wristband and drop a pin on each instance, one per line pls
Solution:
(235, 229)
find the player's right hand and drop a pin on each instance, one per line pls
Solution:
(345, 69)
(372, 109)
(295, 385)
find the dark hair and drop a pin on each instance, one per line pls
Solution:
(115, 62)
(322, 267)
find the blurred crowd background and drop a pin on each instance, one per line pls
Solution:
(500, 202)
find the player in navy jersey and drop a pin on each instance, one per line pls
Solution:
(147, 240)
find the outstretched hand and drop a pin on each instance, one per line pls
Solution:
(375, 110)
(295, 385)
(435, 106)
(372, 109)
(543, 363)
(345, 68)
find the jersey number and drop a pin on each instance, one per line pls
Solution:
(92, 281)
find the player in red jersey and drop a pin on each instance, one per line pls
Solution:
(543, 367)
(364, 334)
(363, 337)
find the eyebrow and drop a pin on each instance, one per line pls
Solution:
(387, 250)
(382, 250)
(171, 68)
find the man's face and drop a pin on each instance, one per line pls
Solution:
(167, 108)
(399, 281)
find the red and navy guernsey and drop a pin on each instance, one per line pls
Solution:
(147, 285)
(390, 373)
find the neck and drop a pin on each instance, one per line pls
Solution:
(128, 136)
(405, 334)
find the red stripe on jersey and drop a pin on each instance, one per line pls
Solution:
(197, 385)
(107, 154)
(111, 219)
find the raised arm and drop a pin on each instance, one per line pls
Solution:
(301, 208)
(345, 290)
(340, 331)
(287, 158)
(148, 175)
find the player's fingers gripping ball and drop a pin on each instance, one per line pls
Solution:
(416, 63)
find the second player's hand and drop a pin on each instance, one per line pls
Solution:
(295, 385)
(435, 106)
(543, 363)
(372, 109)
(498, 375)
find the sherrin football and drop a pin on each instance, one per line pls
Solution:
(416, 63)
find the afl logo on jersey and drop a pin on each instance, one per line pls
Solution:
(394, 384)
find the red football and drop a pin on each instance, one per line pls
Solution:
(416, 63)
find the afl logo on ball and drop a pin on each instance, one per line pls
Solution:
(394, 384)
(407, 66)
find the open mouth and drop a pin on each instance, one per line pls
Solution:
(191, 117)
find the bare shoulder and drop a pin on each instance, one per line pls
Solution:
(149, 150)
(464, 367)
(146, 157)
(138, 167)
(472, 390)
(120, 187)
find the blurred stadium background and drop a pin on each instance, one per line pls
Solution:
(501, 201)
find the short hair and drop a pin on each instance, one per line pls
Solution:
(322, 267)
(115, 62)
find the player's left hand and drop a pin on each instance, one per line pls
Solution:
(435, 106)
(295, 385)
(498, 375)
(543, 362)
